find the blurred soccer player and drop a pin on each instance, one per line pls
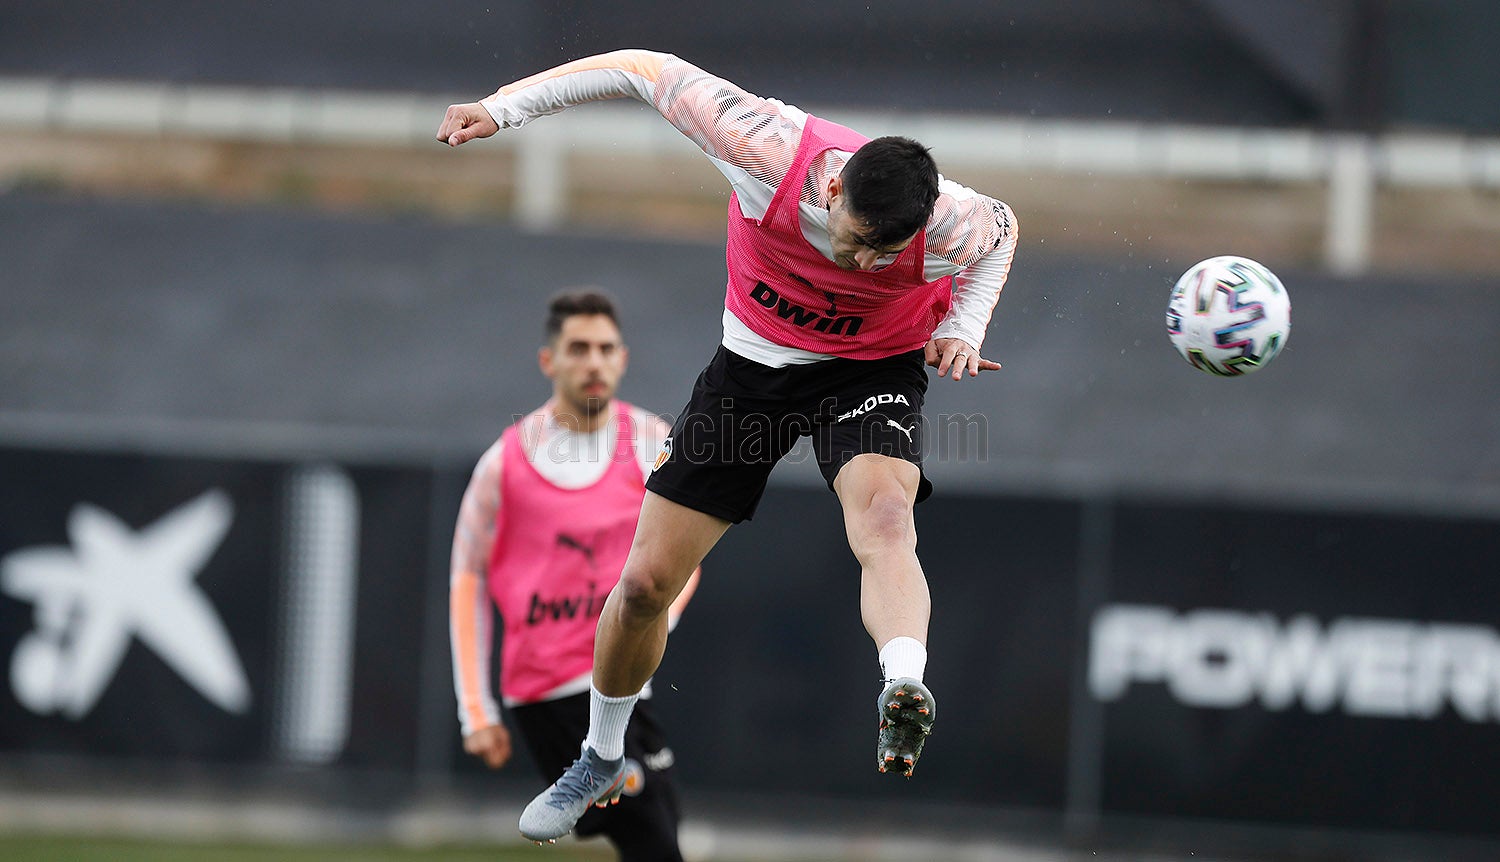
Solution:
(851, 263)
(543, 531)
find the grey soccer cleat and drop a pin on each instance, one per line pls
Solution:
(591, 780)
(906, 714)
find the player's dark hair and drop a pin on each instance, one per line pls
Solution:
(892, 184)
(571, 303)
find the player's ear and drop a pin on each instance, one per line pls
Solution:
(624, 358)
(544, 360)
(835, 187)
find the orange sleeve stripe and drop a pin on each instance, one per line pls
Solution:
(644, 63)
(466, 595)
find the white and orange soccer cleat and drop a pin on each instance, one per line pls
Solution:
(591, 780)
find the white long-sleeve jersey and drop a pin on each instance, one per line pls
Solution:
(752, 141)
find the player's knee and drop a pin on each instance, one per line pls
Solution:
(884, 525)
(645, 594)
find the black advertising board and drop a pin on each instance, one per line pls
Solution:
(135, 601)
(1304, 668)
(216, 610)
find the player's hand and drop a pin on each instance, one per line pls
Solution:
(464, 123)
(490, 744)
(957, 355)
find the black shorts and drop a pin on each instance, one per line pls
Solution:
(744, 416)
(644, 825)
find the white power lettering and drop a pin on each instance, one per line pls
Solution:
(1224, 659)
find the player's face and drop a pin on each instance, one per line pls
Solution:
(848, 235)
(585, 363)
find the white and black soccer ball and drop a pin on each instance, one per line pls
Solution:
(1229, 316)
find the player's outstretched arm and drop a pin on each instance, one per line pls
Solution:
(630, 73)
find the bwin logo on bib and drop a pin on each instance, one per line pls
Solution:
(831, 323)
(113, 584)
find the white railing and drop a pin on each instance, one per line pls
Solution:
(1351, 166)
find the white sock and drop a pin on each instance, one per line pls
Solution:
(608, 717)
(903, 657)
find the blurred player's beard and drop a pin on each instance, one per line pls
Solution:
(593, 405)
(588, 406)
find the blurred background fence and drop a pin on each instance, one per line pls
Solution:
(255, 327)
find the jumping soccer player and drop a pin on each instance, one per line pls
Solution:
(851, 263)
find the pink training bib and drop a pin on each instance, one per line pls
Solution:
(558, 552)
(786, 291)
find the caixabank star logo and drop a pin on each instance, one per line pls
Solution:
(111, 586)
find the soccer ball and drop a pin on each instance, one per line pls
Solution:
(1229, 316)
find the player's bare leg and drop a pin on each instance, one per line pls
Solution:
(878, 494)
(670, 541)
